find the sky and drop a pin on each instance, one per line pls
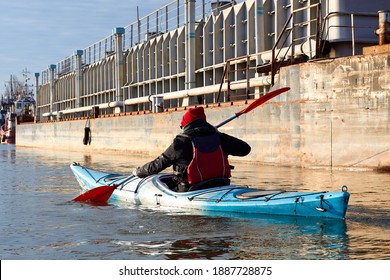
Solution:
(35, 34)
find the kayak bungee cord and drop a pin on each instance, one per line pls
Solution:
(196, 196)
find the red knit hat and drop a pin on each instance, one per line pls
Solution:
(193, 114)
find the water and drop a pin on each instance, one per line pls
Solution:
(39, 221)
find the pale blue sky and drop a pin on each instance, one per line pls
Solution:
(35, 34)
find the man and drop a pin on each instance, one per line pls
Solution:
(198, 155)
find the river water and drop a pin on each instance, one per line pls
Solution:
(38, 220)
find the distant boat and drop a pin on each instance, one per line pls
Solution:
(18, 107)
(7, 129)
(24, 109)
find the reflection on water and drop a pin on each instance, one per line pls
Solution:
(39, 221)
(267, 238)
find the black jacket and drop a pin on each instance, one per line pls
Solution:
(179, 153)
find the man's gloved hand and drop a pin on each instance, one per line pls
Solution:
(135, 173)
(139, 172)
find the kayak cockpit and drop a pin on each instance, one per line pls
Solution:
(166, 181)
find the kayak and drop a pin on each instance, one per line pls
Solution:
(155, 191)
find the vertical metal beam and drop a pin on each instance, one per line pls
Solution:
(118, 32)
(318, 30)
(190, 44)
(166, 19)
(52, 68)
(383, 31)
(189, 48)
(36, 112)
(203, 11)
(157, 30)
(259, 30)
(79, 78)
(139, 26)
(259, 37)
(353, 34)
(178, 14)
(147, 35)
(131, 36)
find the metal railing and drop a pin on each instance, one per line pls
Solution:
(281, 50)
(161, 21)
(287, 32)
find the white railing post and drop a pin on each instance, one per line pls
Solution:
(52, 68)
(118, 32)
(259, 40)
(79, 78)
(190, 48)
(36, 110)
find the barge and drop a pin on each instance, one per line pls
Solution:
(127, 92)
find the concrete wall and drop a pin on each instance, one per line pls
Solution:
(337, 114)
(342, 113)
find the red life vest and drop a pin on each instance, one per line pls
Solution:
(209, 161)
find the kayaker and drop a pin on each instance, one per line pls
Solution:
(209, 167)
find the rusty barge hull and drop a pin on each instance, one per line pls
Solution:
(337, 114)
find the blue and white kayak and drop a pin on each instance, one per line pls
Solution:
(154, 191)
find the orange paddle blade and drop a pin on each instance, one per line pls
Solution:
(254, 104)
(262, 100)
(99, 194)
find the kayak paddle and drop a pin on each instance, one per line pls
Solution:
(103, 193)
(99, 194)
(254, 105)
